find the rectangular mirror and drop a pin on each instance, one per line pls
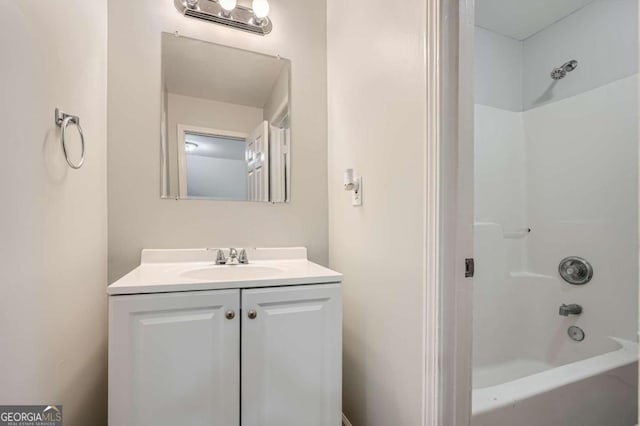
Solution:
(225, 123)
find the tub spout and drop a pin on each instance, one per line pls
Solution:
(573, 309)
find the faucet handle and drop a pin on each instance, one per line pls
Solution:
(220, 258)
(242, 258)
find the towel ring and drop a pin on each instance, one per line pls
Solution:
(63, 120)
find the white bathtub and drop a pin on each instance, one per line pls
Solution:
(596, 391)
(527, 370)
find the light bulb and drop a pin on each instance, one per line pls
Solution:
(349, 181)
(260, 9)
(228, 5)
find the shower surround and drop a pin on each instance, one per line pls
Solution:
(556, 176)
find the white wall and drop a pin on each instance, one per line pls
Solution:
(199, 112)
(377, 116)
(279, 95)
(498, 70)
(500, 174)
(138, 218)
(602, 37)
(53, 220)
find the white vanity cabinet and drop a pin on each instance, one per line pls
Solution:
(268, 356)
(174, 359)
(292, 356)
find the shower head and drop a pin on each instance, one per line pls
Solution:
(571, 65)
(561, 72)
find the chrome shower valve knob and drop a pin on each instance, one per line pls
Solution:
(575, 270)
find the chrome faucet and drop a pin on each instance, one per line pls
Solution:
(236, 258)
(572, 309)
(233, 257)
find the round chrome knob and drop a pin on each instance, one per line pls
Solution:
(576, 333)
(230, 315)
(575, 270)
(252, 314)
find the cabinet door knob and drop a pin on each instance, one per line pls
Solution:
(230, 314)
(252, 314)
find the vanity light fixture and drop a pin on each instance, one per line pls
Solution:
(190, 146)
(227, 12)
(353, 183)
(260, 10)
(227, 6)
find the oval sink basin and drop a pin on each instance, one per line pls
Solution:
(231, 272)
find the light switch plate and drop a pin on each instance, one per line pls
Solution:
(356, 197)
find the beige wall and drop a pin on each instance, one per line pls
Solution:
(376, 125)
(138, 218)
(279, 95)
(53, 220)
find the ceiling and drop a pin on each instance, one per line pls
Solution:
(211, 71)
(521, 19)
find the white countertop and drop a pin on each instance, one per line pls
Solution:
(163, 271)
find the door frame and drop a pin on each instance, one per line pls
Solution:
(183, 129)
(448, 301)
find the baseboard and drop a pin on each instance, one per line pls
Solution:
(345, 421)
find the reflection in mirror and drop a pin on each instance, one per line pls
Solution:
(225, 123)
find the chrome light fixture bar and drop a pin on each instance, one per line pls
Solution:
(239, 17)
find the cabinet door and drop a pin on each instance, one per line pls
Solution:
(292, 356)
(174, 359)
